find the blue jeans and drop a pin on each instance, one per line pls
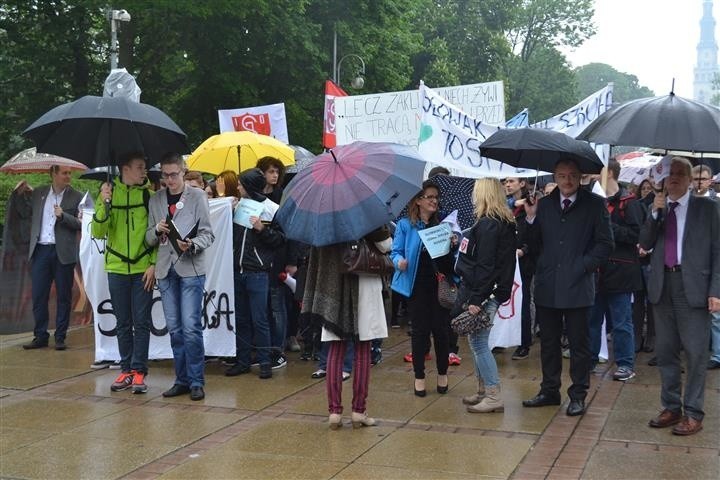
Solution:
(618, 307)
(182, 299)
(251, 317)
(715, 335)
(347, 360)
(44, 269)
(279, 316)
(132, 306)
(485, 366)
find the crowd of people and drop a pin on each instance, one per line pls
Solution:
(644, 261)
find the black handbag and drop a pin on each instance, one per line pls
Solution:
(363, 257)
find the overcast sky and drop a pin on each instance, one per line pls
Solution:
(654, 40)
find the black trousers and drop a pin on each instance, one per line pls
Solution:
(526, 314)
(576, 322)
(428, 317)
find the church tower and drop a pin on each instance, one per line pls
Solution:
(707, 56)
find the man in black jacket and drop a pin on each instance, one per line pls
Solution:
(619, 277)
(570, 230)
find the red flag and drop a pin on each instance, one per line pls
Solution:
(331, 91)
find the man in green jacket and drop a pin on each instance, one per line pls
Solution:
(121, 217)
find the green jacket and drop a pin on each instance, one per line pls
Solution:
(125, 251)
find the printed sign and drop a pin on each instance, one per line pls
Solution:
(436, 239)
(266, 120)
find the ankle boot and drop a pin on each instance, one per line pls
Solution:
(335, 421)
(491, 403)
(477, 397)
(362, 420)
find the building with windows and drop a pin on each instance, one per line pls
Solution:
(707, 56)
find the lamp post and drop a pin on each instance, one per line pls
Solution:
(115, 16)
(358, 82)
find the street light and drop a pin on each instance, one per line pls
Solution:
(358, 82)
(115, 16)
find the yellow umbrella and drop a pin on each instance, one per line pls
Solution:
(220, 152)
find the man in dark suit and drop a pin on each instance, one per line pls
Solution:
(570, 230)
(684, 288)
(53, 254)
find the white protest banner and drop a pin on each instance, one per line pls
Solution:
(218, 319)
(576, 119)
(507, 327)
(266, 120)
(451, 138)
(394, 117)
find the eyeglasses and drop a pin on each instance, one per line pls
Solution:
(701, 179)
(430, 197)
(170, 176)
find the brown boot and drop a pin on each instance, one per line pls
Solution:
(476, 398)
(491, 403)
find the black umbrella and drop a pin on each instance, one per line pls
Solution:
(98, 130)
(668, 122)
(100, 173)
(539, 149)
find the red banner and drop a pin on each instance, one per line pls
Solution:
(248, 122)
(331, 91)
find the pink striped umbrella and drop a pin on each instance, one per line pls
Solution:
(29, 161)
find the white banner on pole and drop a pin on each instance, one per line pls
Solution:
(451, 138)
(394, 116)
(266, 120)
(576, 119)
(507, 327)
(218, 300)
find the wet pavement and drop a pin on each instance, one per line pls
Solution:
(58, 419)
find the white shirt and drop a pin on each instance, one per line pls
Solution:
(572, 199)
(680, 215)
(47, 226)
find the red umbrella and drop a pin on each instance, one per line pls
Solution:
(29, 161)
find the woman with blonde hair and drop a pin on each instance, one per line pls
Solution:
(486, 266)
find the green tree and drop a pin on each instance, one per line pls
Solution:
(594, 76)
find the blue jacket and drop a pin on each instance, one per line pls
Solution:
(406, 245)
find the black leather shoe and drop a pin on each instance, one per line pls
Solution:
(265, 371)
(176, 390)
(60, 345)
(442, 390)
(542, 400)
(237, 369)
(653, 362)
(36, 343)
(576, 407)
(197, 393)
(420, 393)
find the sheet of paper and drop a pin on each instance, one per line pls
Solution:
(247, 208)
(437, 239)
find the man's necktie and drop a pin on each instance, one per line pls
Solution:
(566, 204)
(671, 257)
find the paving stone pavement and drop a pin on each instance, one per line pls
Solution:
(58, 419)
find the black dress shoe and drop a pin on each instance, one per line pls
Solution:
(60, 345)
(237, 369)
(420, 393)
(176, 391)
(197, 393)
(576, 407)
(653, 362)
(542, 400)
(442, 390)
(36, 343)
